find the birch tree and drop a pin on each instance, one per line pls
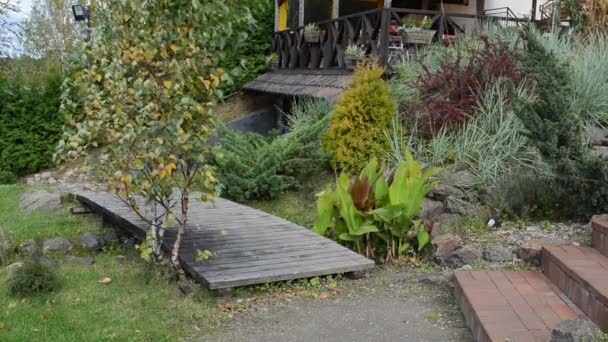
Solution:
(149, 91)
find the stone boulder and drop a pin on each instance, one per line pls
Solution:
(93, 242)
(79, 261)
(39, 200)
(497, 254)
(599, 136)
(58, 244)
(7, 247)
(460, 257)
(444, 191)
(46, 261)
(530, 252)
(29, 247)
(445, 245)
(461, 179)
(431, 210)
(574, 331)
(443, 222)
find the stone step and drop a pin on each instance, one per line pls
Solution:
(512, 305)
(600, 235)
(581, 273)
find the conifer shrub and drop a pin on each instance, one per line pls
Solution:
(31, 278)
(361, 116)
(556, 131)
(257, 167)
(7, 177)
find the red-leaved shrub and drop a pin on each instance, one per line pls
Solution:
(449, 95)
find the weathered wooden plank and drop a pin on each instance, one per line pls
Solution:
(282, 275)
(250, 246)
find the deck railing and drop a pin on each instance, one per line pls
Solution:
(369, 30)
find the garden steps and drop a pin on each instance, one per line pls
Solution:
(512, 305)
(582, 274)
(600, 235)
(527, 305)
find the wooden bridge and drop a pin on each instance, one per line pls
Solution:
(248, 245)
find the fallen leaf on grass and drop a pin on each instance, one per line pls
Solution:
(105, 280)
(324, 295)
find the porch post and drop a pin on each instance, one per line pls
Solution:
(276, 15)
(301, 13)
(388, 3)
(385, 21)
(335, 9)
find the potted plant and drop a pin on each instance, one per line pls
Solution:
(415, 32)
(272, 61)
(353, 55)
(312, 33)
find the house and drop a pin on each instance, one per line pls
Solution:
(319, 68)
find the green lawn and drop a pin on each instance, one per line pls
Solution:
(131, 308)
(298, 206)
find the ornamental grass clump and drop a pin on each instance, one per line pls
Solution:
(361, 115)
(31, 278)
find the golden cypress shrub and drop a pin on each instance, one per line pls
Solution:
(361, 116)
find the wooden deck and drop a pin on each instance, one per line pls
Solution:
(248, 245)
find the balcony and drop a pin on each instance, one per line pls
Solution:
(371, 31)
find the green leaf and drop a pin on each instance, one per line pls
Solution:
(423, 237)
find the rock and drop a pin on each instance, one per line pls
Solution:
(443, 191)
(185, 289)
(121, 259)
(460, 257)
(464, 268)
(461, 179)
(600, 151)
(443, 222)
(436, 279)
(39, 200)
(46, 175)
(79, 261)
(445, 245)
(14, 266)
(574, 331)
(530, 252)
(56, 245)
(431, 210)
(93, 241)
(599, 136)
(111, 236)
(7, 247)
(46, 261)
(29, 247)
(497, 254)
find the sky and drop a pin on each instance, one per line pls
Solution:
(24, 9)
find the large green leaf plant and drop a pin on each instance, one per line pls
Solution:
(377, 211)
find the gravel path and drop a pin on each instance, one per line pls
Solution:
(388, 305)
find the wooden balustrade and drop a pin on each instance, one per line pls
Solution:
(368, 30)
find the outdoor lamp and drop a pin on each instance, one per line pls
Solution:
(81, 13)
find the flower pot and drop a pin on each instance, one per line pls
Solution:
(417, 36)
(351, 62)
(312, 37)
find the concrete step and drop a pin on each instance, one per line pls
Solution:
(512, 305)
(600, 235)
(581, 273)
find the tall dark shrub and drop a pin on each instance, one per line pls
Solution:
(449, 95)
(30, 123)
(556, 131)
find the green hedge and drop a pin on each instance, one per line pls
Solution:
(30, 123)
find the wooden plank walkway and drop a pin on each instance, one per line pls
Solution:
(248, 245)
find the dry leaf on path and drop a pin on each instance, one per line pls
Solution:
(105, 280)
